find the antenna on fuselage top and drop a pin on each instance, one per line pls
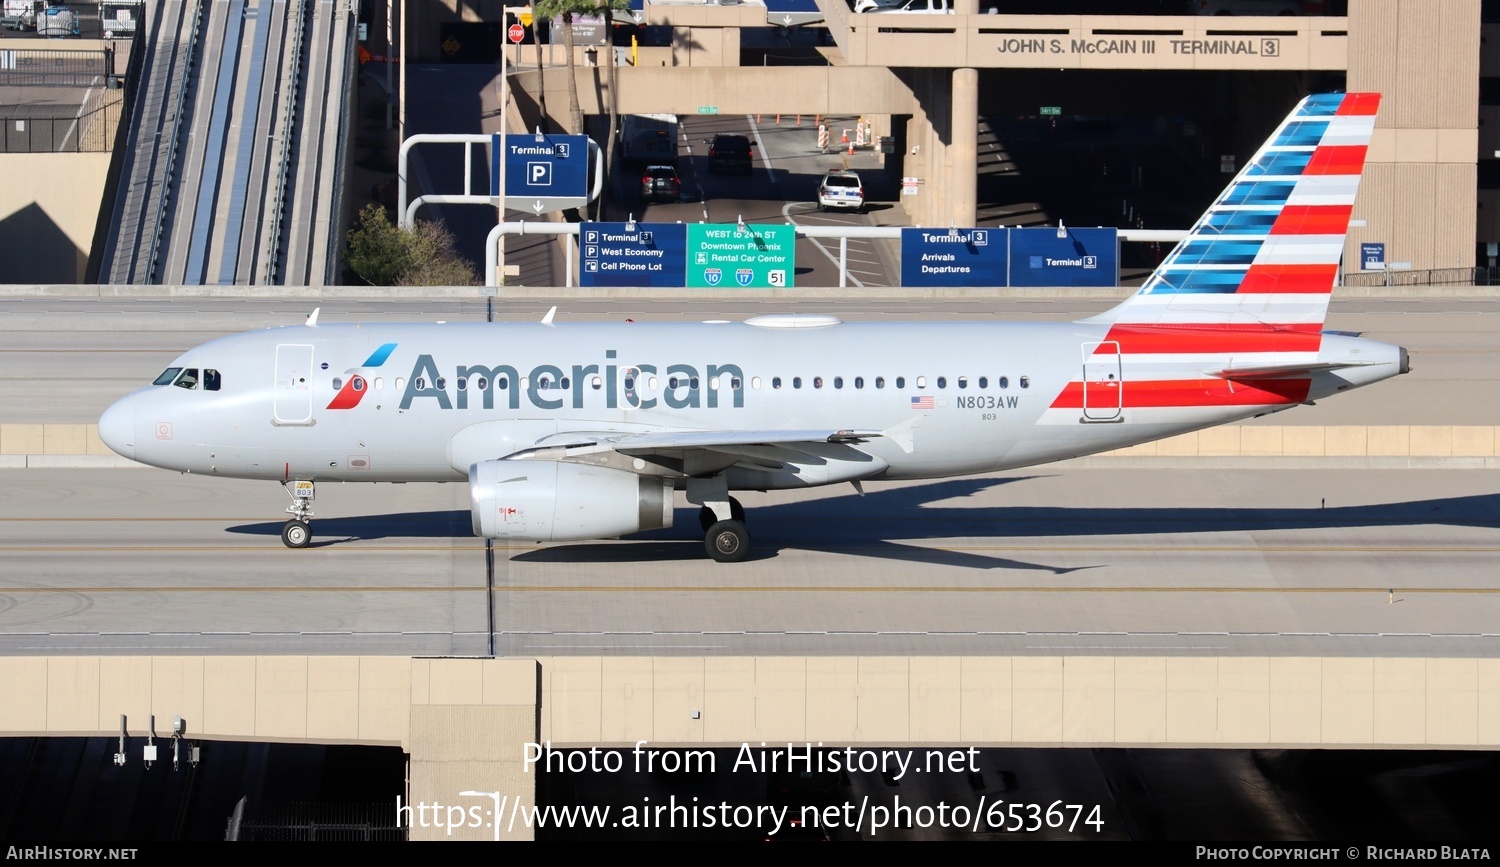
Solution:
(312, 318)
(547, 320)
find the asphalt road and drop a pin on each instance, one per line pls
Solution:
(1051, 561)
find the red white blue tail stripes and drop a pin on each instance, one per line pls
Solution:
(1248, 287)
(1266, 253)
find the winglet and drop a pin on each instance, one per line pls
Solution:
(312, 318)
(547, 320)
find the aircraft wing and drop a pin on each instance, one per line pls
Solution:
(697, 451)
(710, 439)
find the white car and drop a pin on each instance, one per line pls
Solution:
(911, 7)
(841, 189)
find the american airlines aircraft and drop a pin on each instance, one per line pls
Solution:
(572, 431)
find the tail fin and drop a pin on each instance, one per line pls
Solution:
(1265, 255)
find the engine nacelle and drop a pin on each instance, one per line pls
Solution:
(552, 501)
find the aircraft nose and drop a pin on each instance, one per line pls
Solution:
(117, 428)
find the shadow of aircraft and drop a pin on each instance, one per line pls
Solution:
(865, 525)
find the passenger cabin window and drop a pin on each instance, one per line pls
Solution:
(167, 376)
(188, 379)
(211, 379)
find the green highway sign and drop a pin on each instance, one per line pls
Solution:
(708, 109)
(1051, 110)
(740, 257)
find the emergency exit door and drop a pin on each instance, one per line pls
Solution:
(292, 401)
(1103, 382)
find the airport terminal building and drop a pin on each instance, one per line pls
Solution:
(1019, 114)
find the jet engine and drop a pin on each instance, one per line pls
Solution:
(552, 501)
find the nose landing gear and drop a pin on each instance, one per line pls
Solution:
(297, 533)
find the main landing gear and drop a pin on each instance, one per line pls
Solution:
(726, 541)
(297, 532)
(722, 519)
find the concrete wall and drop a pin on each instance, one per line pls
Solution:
(456, 713)
(49, 207)
(1090, 41)
(466, 723)
(1417, 196)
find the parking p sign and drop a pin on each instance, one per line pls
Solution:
(542, 172)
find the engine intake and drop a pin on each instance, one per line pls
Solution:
(552, 501)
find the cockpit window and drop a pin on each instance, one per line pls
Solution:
(188, 379)
(210, 380)
(167, 376)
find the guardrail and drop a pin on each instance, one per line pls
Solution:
(54, 68)
(22, 133)
(1477, 276)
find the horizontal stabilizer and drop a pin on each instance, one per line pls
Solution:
(1285, 371)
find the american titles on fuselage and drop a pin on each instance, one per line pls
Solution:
(617, 386)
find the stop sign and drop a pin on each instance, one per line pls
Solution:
(516, 33)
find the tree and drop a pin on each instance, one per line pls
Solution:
(567, 10)
(541, 70)
(564, 10)
(386, 255)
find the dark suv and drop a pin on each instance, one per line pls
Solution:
(660, 184)
(729, 153)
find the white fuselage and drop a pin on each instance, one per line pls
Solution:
(956, 398)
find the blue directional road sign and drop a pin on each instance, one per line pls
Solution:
(542, 172)
(953, 257)
(1372, 256)
(642, 254)
(1080, 257)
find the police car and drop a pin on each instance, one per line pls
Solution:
(841, 189)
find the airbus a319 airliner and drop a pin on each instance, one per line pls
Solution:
(573, 431)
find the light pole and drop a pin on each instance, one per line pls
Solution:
(504, 146)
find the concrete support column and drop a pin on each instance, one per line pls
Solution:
(963, 148)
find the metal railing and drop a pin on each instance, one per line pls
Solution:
(90, 130)
(1477, 276)
(54, 68)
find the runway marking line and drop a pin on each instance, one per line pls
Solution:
(759, 589)
(1050, 549)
